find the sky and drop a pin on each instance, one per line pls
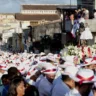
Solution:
(14, 6)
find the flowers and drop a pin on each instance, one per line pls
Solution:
(81, 51)
(71, 50)
(94, 46)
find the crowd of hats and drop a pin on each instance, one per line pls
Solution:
(29, 63)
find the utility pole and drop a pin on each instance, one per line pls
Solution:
(70, 3)
(95, 4)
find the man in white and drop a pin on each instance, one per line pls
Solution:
(84, 80)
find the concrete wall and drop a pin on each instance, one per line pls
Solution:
(17, 44)
(50, 29)
(92, 26)
(47, 29)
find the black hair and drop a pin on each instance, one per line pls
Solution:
(66, 78)
(61, 61)
(47, 60)
(31, 91)
(12, 72)
(82, 84)
(5, 76)
(14, 84)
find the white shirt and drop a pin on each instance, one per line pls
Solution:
(95, 15)
(82, 20)
(60, 89)
(31, 82)
(44, 87)
(73, 92)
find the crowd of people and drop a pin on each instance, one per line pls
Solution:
(41, 74)
(29, 74)
(76, 27)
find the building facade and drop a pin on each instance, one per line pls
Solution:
(35, 15)
(38, 14)
(8, 25)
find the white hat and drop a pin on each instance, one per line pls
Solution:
(50, 70)
(27, 61)
(50, 54)
(43, 58)
(32, 71)
(42, 53)
(21, 69)
(66, 64)
(57, 56)
(51, 58)
(3, 66)
(70, 70)
(88, 61)
(85, 76)
(44, 65)
(69, 58)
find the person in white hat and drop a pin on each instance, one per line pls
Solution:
(66, 64)
(32, 75)
(61, 68)
(45, 84)
(84, 80)
(73, 59)
(89, 63)
(66, 82)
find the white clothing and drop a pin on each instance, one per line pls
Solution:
(60, 89)
(44, 87)
(95, 15)
(73, 92)
(86, 14)
(82, 20)
(31, 82)
(85, 35)
(58, 73)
